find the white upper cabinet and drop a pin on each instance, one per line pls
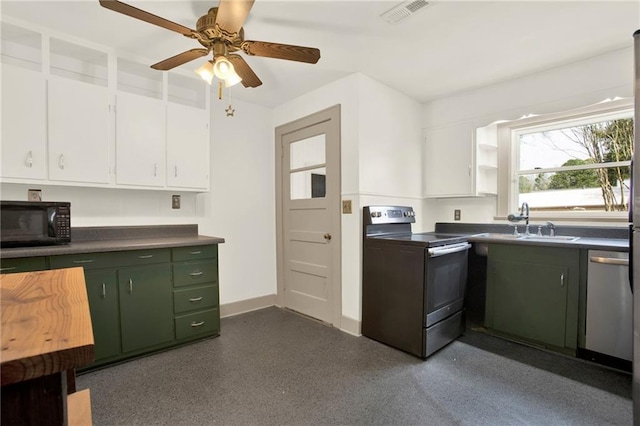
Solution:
(449, 161)
(78, 132)
(24, 132)
(460, 161)
(76, 114)
(24, 129)
(187, 147)
(140, 140)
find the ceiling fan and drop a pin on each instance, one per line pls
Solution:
(220, 31)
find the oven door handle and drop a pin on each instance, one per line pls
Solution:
(444, 250)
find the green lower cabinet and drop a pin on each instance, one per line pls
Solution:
(142, 300)
(146, 306)
(532, 295)
(102, 291)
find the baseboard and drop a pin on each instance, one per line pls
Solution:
(248, 305)
(350, 325)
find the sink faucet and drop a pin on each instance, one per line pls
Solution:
(524, 215)
(552, 229)
(525, 207)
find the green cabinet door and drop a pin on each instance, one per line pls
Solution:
(146, 306)
(102, 291)
(530, 300)
(532, 294)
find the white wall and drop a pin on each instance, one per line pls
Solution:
(112, 207)
(241, 204)
(380, 159)
(572, 86)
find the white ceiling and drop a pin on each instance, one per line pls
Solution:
(448, 47)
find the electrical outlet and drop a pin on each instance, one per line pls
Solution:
(346, 207)
(456, 214)
(175, 201)
(34, 195)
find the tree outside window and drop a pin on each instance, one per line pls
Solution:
(585, 166)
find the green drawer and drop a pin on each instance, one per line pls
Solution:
(199, 272)
(143, 257)
(22, 264)
(111, 259)
(86, 260)
(194, 253)
(191, 299)
(197, 324)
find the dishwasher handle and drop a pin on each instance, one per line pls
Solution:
(448, 249)
(609, 260)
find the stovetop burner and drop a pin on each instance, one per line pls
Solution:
(428, 239)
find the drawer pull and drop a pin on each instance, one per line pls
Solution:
(196, 274)
(84, 261)
(7, 268)
(130, 286)
(145, 256)
(195, 299)
(104, 291)
(195, 252)
(197, 324)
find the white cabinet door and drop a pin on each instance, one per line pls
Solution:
(23, 124)
(78, 131)
(140, 140)
(187, 147)
(449, 161)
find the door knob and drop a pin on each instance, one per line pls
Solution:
(327, 236)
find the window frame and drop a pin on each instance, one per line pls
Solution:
(508, 158)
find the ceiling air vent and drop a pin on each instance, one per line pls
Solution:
(403, 10)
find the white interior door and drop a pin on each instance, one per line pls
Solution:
(309, 215)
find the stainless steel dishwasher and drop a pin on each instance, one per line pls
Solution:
(609, 322)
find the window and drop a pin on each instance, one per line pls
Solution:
(574, 166)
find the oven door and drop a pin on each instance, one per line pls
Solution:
(446, 281)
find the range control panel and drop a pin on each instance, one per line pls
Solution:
(377, 215)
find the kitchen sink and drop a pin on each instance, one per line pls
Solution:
(566, 238)
(532, 237)
(496, 235)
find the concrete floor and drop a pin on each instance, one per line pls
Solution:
(274, 367)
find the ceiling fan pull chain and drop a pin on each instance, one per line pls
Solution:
(230, 109)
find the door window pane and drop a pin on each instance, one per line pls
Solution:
(308, 152)
(308, 184)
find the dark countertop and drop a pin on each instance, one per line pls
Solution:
(118, 238)
(586, 243)
(590, 237)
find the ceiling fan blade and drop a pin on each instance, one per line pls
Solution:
(249, 78)
(232, 14)
(310, 55)
(134, 12)
(180, 59)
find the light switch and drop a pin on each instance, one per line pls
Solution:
(346, 207)
(175, 201)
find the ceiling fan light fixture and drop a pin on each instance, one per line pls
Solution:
(206, 72)
(224, 70)
(232, 80)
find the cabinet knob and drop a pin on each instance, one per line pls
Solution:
(29, 161)
(561, 280)
(327, 236)
(61, 162)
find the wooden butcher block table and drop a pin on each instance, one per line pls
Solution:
(46, 333)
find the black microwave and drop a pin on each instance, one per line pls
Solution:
(34, 223)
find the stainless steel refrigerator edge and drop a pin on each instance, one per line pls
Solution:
(635, 234)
